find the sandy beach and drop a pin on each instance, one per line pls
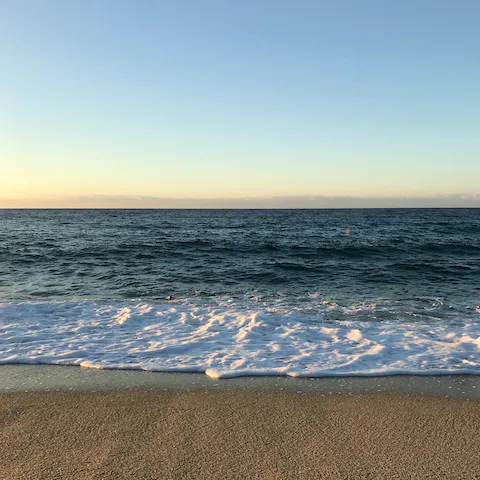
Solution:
(238, 433)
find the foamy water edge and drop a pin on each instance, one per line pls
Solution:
(228, 340)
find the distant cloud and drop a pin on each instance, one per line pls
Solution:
(110, 201)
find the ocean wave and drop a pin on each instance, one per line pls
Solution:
(153, 254)
(227, 337)
(223, 249)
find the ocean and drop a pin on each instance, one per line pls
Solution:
(243, 292)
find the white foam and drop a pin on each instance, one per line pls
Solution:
(226, 340)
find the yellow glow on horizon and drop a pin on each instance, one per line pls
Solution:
(46, 175)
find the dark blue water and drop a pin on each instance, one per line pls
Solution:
(152, 254)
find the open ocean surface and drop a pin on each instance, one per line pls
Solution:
(243, 292)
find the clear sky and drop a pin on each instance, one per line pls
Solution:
(115, 101)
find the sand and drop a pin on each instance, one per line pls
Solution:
(40, 378)
(248, 434)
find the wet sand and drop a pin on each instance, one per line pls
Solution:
(236, 433)
(60, 378)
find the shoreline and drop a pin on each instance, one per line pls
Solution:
(15, 378)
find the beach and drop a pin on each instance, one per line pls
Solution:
(248, 429)
(217, 344)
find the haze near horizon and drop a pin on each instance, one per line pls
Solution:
(225, 104)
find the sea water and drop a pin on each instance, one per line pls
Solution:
(243, 292)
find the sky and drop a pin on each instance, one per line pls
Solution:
(231, 103)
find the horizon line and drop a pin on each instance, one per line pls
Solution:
(286, 202)
(458, 207)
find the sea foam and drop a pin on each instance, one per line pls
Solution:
(228, 339)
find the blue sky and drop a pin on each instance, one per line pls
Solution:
(228, 99)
